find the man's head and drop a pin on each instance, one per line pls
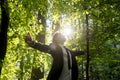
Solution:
(59, 38)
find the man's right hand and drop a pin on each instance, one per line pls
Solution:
(28, 40)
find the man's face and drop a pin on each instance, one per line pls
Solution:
(59, 38)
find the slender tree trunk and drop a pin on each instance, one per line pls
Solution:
(3, 30)
(41, 36)
(82, 70)
(21, 68)
(36, 71)
(55, 27)
(87, 47)
(91, 76)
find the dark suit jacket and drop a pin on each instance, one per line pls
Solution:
(57, 65)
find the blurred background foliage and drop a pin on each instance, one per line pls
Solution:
(44, 17)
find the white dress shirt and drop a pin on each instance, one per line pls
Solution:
(66, 73)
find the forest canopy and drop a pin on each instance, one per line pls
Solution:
(93, 22)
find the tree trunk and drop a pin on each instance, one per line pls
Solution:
(82, 70)
(3, 30)
(37, 73)
(41, 36)
(87, 48)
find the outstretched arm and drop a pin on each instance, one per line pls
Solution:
(78, 53)
(41, 47)
(38, 46)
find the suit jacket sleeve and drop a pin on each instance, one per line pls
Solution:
(41, 47)
(78, 53)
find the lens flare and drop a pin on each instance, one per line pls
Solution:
(67, 32)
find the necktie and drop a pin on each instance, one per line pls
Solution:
(69, 59)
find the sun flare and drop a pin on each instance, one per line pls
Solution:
(67, 32)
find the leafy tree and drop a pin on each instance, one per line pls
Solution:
(104, 43)
(3, 30)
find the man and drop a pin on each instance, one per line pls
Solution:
(64, 66)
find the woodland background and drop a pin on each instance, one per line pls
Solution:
(95, 27)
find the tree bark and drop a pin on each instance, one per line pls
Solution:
(41, 36)
(3, 30)
(37, 73)
(87, 48)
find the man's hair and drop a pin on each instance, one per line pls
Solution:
(58, 36)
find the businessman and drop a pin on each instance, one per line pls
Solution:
(64, 65)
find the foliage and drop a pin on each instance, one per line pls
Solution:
(104, 25)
